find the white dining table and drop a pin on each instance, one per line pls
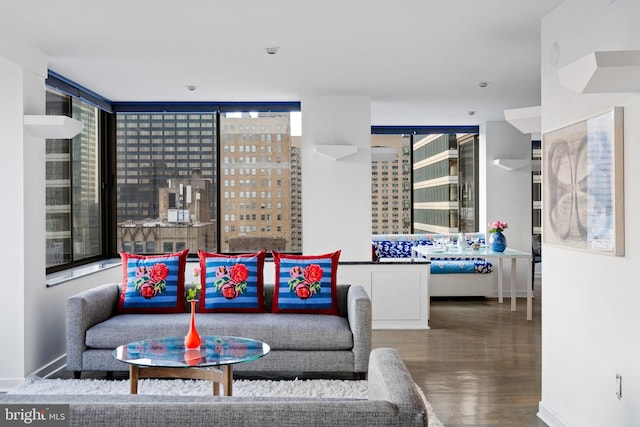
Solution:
(430, 252)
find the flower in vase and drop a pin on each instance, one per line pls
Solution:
(193, 292)
(497, 226)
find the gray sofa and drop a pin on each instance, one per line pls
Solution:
(313, 343)
(393, 400)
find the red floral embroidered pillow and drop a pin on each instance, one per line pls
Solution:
(231, 283)
(153, 284)
(305, 283)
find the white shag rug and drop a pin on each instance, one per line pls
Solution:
(350, 389)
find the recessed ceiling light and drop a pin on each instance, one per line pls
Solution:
(191, 87)
(471, 113)
(483, 84)
(272, 50)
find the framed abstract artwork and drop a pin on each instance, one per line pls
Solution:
(583, 184)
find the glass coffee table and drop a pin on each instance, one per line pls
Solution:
(168, 358)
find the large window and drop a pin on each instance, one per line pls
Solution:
(428, 184)
(176, 189)
(165, 182)
(74, 203)
(468, 181)
(536, 186)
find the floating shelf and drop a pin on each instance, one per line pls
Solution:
(526, 120)
(53, 127)
(336, 152)
(603, 72)
(512, 164)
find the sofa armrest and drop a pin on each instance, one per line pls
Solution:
(390, 380)
(83, 311)
(359, 316)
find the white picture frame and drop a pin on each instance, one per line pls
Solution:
(583, 184)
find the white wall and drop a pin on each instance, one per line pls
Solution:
(33, 316)
(11, 254)
(336, 194)
(22, 73)
(590, 313)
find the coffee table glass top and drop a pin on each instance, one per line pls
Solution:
(170, 352)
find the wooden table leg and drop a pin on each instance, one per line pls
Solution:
(133, 379)
(223, 376)
(513, 284)
(227, 379)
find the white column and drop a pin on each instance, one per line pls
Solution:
(336, 201)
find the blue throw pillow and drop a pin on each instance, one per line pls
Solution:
(306, 283)
(153, 284)
(231, 283)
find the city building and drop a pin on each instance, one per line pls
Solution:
(184, 220)
(391, 184)
(445, 183)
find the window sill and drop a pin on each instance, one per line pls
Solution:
(85, 270)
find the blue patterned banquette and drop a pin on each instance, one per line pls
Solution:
(394, 246)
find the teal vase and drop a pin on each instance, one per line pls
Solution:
(497, 241)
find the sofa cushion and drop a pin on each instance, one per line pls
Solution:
(305, 283)
(153, 284)
(280, 331)
(231, 283)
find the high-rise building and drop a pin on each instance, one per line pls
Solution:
(391, 184)
(260, 177)
(73, 180)
(435, 183)
(183, 221)
(154, 148)
(437, 172)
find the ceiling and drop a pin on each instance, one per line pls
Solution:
(420, 61)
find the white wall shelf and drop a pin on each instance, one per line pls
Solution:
(526, 120)
(54, 127)
(603, 72)
(336, 152)
(512, 164)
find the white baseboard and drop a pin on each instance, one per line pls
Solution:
(549, 417)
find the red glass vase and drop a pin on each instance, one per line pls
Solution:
(192, 339)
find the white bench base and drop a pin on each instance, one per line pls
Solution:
(464, 285)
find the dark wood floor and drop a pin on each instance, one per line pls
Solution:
(479, 364)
